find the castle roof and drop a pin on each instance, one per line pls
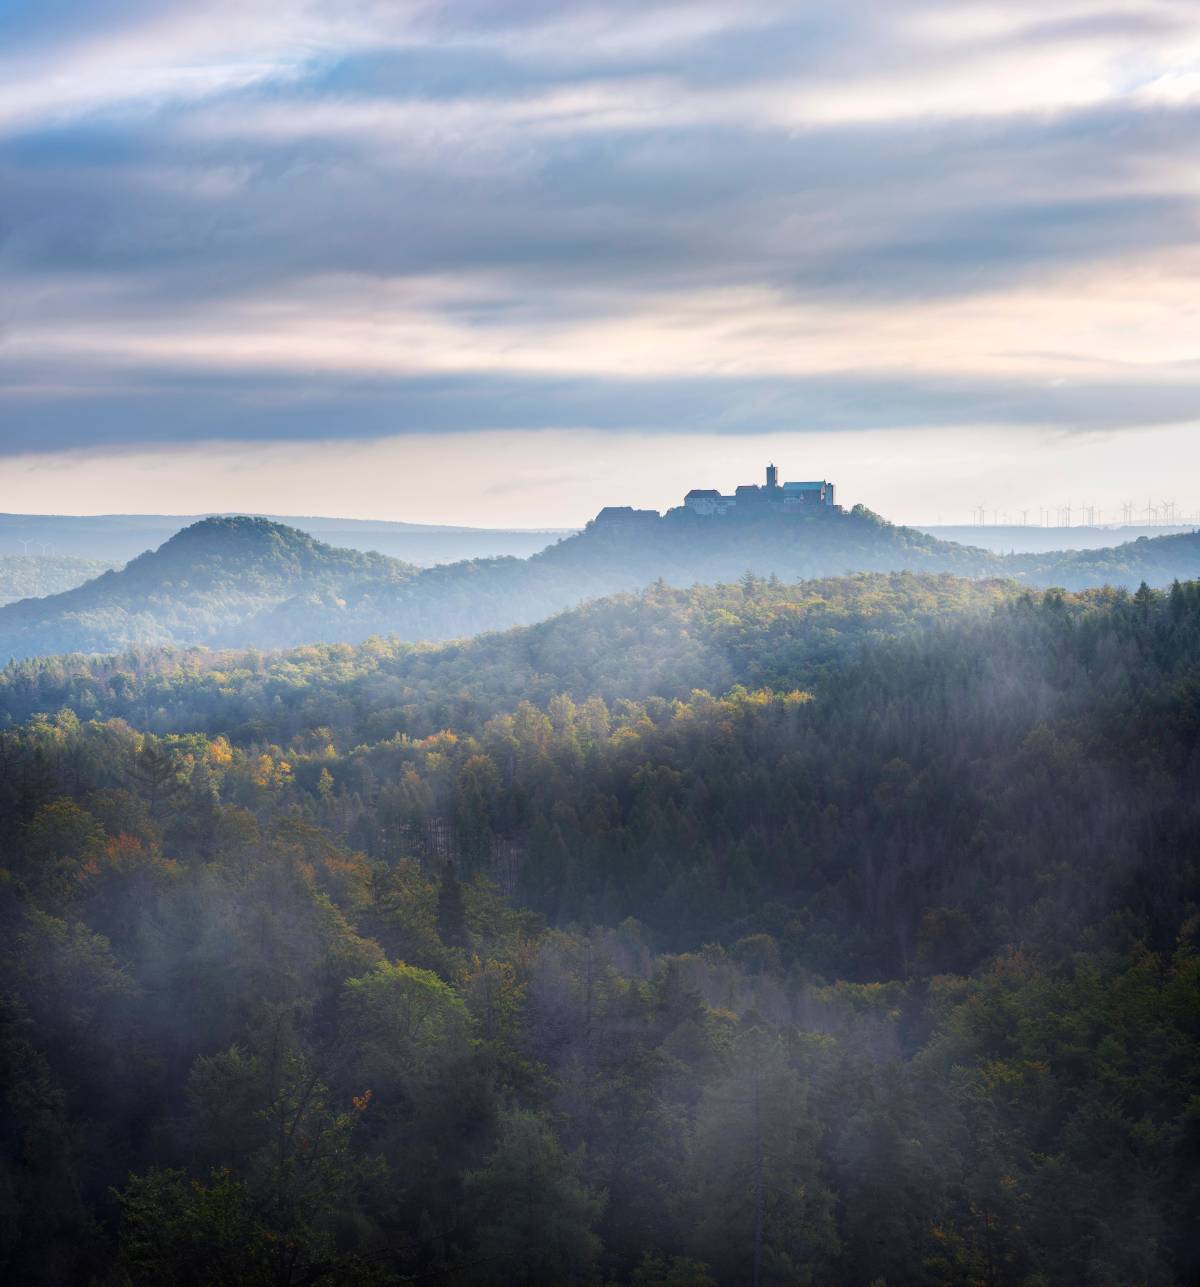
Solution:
(613, 513)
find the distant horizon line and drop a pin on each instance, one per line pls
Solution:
(941, 524)
(200, 515)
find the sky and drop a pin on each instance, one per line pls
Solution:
(504, 263)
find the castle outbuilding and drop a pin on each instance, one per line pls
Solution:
(626, 516)
(706, 500)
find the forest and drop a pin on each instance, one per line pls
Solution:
(758, 933)
(249, 582)
(29, 576)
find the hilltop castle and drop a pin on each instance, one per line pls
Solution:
(788, 496)
(748, 498)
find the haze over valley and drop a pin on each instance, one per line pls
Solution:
(237, 582)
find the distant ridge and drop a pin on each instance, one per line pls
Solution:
(1017, 539)
(117, 538)
(230, 582)
(25, 576)
(660, 642)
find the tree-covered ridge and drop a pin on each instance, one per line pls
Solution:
(660, 642)
(890, 978)
(704, 817)
(32, 576)
(1157, 560)
(240, 582)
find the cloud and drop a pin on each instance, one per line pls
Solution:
(321, 220)
(186, 409)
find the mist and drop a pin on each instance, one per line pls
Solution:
(599, 644)
(538, 958)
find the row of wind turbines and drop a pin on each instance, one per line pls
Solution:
(1163, 513)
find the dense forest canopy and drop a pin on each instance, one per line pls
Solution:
(662, 642)
(841, 932)
(241, 582)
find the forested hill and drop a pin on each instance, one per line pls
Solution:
(252, 583)
(661, 642)
(210, 583)
(1157, 560)
(27, 576)
(885, 973)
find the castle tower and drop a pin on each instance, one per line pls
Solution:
(772, 478)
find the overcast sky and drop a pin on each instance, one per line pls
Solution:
(505, 262)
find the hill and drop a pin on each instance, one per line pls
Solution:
(1030, 539)
(661, 642)
(250, 582)
(210, 583)
(686, 547)
(243, 581)
(1157, 560)
(910, 934)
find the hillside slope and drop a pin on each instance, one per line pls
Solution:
(1157, 560)
(662, 642)
(25, 576)
(251, 582)
(922, 938)
(208, 584)
(243, 582)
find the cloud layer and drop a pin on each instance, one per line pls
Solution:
(317, 220)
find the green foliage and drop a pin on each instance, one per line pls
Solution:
(843, 932)
(287, 1222)
(662, 642)
(219, 578)
(30, 576)
(761, 1210)
(679, 1271)
(248, 582)
(535, 1218)
(179, 1230)
(403, 1023)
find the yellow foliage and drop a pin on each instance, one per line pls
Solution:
(262, 769)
